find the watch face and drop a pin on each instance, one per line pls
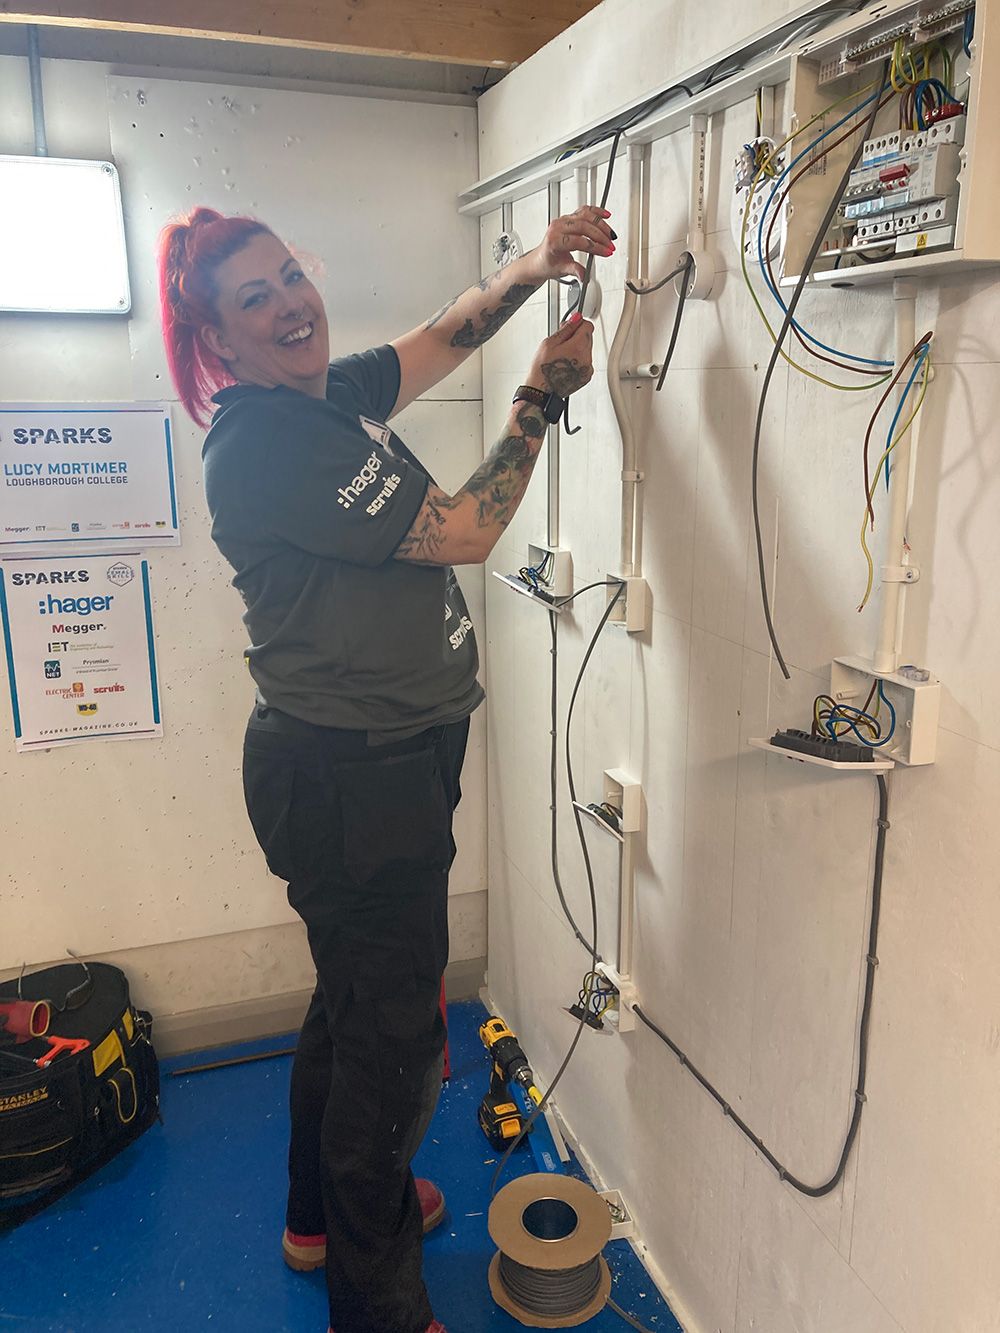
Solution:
(553, 408)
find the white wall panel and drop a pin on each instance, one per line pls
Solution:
(753, 882)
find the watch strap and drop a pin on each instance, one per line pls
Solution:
(551, 404)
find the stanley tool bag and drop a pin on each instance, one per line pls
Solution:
(97, 1092)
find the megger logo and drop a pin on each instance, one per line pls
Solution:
(346, 495)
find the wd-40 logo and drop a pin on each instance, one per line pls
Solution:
(346, 495)
(120, 574)
(86, 709)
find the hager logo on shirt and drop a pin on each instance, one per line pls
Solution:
(346, 495)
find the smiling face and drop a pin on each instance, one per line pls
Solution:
(271, 327)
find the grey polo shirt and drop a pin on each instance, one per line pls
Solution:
(309, 500)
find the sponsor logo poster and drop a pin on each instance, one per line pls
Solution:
(87, 472)
(81, 658)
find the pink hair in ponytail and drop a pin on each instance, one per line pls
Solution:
(190, 251)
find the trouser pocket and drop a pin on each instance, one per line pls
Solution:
(268, 784)
(396, 816)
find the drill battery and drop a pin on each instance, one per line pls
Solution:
(499, 1119)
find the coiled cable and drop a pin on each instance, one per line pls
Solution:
(555, 1294)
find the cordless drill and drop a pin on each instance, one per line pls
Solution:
(500, 1118)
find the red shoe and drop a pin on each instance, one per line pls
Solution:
(432, 1207)
(307, 1253)
(303, 1253)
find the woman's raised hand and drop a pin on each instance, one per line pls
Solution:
(585, 230)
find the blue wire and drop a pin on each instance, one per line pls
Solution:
(892, 712)
(970, 27)
(863, 360)
(918, 362)
(831, 724)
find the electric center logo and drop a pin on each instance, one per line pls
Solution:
(121, 574)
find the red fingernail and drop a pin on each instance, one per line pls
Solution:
(575, 317)
(610, 250)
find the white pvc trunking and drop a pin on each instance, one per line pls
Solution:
(622, 791)
(897, 573)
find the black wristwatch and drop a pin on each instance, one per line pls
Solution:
(551, 404)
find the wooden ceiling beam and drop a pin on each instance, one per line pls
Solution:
(462, 32)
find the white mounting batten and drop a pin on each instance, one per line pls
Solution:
(552, 442)
(631, 530)
(700, 275)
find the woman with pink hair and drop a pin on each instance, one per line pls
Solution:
(364, 657)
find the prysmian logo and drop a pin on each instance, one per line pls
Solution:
(120, 574)
(346, 495)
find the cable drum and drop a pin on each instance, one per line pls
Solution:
(550, 1231)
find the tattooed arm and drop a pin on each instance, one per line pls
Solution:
(428, 353)
(463, 528)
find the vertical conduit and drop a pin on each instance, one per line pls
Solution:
(37, 105)
(631, 556)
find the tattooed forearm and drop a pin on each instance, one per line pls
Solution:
(435, 319)
(424, 540)
(463, 528)
(472, 323)
(566, 375)
(475, 332)
(497, 486)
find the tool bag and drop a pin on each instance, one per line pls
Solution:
(61, 1122)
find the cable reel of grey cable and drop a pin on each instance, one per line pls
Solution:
(548, 1271)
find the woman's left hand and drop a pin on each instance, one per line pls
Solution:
(586, 230)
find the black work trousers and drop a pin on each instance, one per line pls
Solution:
(363, 836)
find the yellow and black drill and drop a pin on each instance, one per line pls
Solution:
(501, 1119)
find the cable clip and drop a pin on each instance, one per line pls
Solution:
(860, 1097)
(900, 574)
(883, 823)
(632, 476)
(871, 960)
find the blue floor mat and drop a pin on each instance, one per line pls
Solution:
(182, 1231)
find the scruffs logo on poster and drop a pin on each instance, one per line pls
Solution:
(346, 495)
(18, 1101)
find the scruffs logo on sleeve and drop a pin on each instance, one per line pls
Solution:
(19, 1101)
(369, 473)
